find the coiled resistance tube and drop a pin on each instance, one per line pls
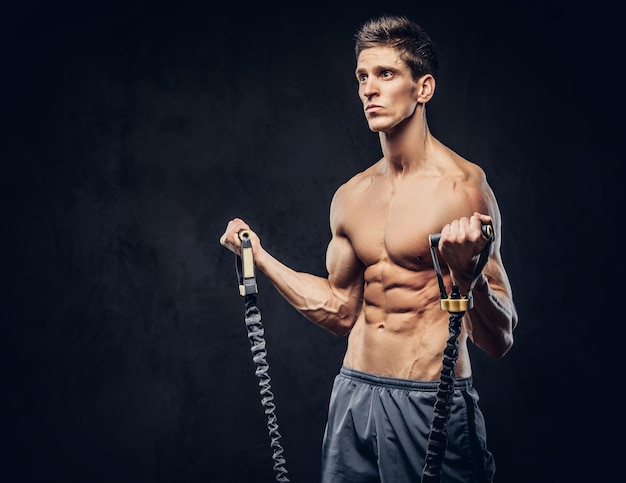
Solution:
(438, 437)
(256, 335)
(456, 305)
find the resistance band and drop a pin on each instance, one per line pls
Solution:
(248, 289)
(457, 305)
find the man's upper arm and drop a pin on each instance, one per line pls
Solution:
(345, 269)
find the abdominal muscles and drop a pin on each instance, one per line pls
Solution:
(402, 330)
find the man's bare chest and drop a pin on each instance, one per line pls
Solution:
(394, 226)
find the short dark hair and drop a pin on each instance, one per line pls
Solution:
(413, 44)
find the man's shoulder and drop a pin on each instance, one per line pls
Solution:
(455, 164)
(360, 180)
(351, 192)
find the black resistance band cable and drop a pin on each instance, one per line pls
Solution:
(456, 305)
(256, 334)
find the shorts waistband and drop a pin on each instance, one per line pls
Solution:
(462, 383)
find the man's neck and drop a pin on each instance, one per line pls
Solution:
(406, 147)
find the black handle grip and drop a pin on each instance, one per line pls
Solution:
(434, 238)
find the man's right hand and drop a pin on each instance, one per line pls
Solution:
(230, 239)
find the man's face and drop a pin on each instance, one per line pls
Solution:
(386, 88)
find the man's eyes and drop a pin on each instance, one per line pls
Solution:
(385, 74)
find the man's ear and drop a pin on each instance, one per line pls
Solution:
(425, 88)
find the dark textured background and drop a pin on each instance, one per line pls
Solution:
(133, 131)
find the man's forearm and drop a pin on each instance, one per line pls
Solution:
(313, 296)
(491, 321)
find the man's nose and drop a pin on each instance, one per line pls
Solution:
(369, 88)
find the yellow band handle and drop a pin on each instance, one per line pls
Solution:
(247, 265)
(455, 305)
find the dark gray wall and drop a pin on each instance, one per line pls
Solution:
(133, 131)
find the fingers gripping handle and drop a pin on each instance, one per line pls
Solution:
(247, 277)
(434, 238)
(457, 303)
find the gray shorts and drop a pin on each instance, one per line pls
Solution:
(377, 431)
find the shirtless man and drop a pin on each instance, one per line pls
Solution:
(381, 290)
